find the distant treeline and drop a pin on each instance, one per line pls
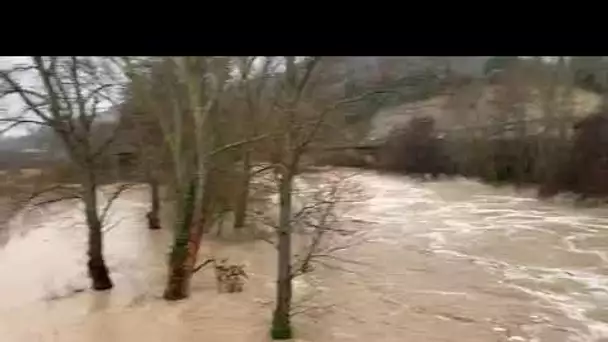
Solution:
(25, 160)
(577, 164)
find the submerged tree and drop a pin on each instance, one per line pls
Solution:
(184, 95)
(304, 118)
(250, 88)
(71, 94)
(142, 131)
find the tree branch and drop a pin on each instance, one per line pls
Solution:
(203, 264)
(321, 118)
(80, 101)
(121, 188)
(310, 67)
(46, 80)
(55, 200)
(238, 144)
(50, 189)
(16, 88)
(14, 122)
(69, 195)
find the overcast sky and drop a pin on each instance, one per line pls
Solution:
(12, 105)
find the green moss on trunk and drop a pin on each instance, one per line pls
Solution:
(178, 275)
(281, 327)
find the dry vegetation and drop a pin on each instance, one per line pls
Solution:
(528, 123)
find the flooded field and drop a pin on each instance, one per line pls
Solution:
(446, 260)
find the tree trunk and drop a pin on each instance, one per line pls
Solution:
(153, 215)
(240, 212)
(281, 325)
(179, 275)
(98, 272)
(186, 246)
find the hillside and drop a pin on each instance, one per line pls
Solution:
(472, 105)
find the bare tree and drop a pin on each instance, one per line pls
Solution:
(141, 129)
(185, 94)
(204, 80)
(251, 89)
(302, 120)
(320, 225)
(70, 98)
(173, 95)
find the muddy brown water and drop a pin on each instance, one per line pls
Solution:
(449, 260)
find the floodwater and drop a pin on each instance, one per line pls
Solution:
(448, 260)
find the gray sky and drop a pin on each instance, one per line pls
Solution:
(12, 105)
